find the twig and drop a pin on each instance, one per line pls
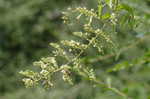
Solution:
(101, 58)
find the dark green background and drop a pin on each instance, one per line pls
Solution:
(26, 29)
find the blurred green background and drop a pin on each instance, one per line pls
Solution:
(28, 26)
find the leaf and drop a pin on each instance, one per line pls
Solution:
(100, 8)
(107, 2)
(126, 7)
(120, 66)
(106, 16)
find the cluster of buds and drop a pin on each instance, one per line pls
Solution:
(74, 44)
(86, 12)
(66, 74)
(59, 51)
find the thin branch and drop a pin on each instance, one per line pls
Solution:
(101, 58)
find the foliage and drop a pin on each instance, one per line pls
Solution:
(27, 26)
(98, 29)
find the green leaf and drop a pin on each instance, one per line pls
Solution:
(106, 16)
(126, 7)
(120, 66)
(100, 8)
(107, 2)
